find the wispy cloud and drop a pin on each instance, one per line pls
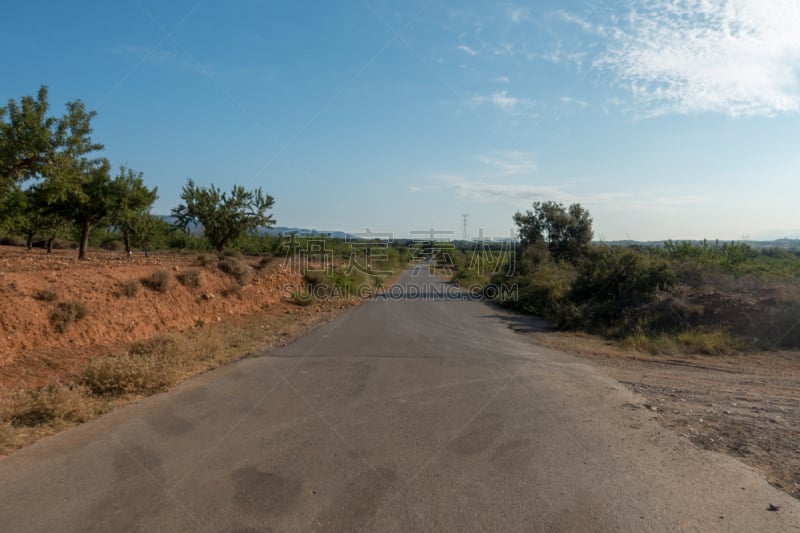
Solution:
(512, 194)
(502, 79)
(574, 101)
(467, 50)
(518, 14)
(737, 57)
(503, 101)
(509, 163)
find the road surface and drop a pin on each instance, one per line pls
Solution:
(406, 414)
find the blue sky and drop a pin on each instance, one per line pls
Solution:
(666, 119)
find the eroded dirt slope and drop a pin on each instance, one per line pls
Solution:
(25, 318)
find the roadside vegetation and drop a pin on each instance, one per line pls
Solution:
(679, 297)
(57, 192)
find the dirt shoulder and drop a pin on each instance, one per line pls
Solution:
(746, 405)
(130, 336)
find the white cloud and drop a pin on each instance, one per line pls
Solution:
(466, 49)
(509, 163)
(512, 194)
(504, 101)
(502, 79)
(738, 57)
(515, 106)
(574, 101)
(518, 14)
(523, 195)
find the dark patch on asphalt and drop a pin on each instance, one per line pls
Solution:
(134, 461)
(263, 493)
(479, 435)
(167, 423)
(193, 395)
(358, 502)
(512, 455)
(358, 380)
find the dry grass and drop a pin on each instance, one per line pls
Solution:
(159, 281)
(67, 313)
(129, 288)
(191, 279)
(143, 368)
(45, 295)
(697, 341)
(148, 367)
(236, 269)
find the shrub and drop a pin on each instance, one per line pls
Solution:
(10, 240)
(46, 295)
(336, 283)
(236, 254)
(190, 279)
(303, 298)
(159, 281)
(233, 289)
(66, 313)
(205, 260)
(236, 269)
(51, 403)
(148, 366)
(264, 261)
(129, 288)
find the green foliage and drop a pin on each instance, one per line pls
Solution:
(159, 281)
(67, 313)
(131, 203)
(34, 145)
(303, 298)
(337, 283)
(567, 232)
(224, 217)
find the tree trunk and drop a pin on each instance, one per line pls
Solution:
(50, 244)
(126, 236)
(29, 241)
(85, 229)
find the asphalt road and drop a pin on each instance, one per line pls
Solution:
(405, 414)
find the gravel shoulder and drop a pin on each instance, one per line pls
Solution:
(745, 405)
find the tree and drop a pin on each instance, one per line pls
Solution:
(34, 145)
(132, 201)
(85, 195)
(567, 232)
(28, 213)
(223, 217)
(150, 231)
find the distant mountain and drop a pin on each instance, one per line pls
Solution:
(786, 244)
(304, 232)
(278, 231)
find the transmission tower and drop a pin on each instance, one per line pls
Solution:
(465, 225)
